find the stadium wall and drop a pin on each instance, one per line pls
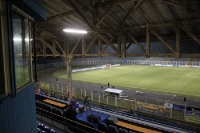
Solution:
(18, 114)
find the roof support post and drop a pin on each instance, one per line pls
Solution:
(147, 40)
(83, 46)
(68, 61)
(99, 46)
(124, 47)
(178, 41)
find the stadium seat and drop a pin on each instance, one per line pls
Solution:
(122, 130)
(53, 131)
(112, 129)
(131, 132)
(47, 129)
(41, 127)
(102, 127)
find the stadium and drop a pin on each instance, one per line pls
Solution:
(100, 66)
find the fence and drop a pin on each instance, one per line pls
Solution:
(112, 101)
(126, 104)
(103, 62)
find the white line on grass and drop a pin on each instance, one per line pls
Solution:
(190, 75)
(170, 99)
(138, 70)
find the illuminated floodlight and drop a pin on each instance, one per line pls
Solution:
(75, 31)
(20, 39)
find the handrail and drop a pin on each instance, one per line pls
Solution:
(95, 130)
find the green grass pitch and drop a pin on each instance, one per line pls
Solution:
(175, 80)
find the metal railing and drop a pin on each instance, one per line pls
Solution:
(101, 99)
(103, 62)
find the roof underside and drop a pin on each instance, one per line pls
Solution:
(113, 19)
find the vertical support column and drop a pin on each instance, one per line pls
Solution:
(83, 46)
(99, 46)
(119, 45)
(178, 41)
(65, 48)
(124, 47)
(147, 40)
(69, 77)
(44, 50)
(54, 47)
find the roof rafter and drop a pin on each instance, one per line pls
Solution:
(179, 4)
(133, 8)
(112, 2)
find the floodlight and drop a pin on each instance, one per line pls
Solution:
(75, 31)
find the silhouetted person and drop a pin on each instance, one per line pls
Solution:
(108, 85)
(71, 114)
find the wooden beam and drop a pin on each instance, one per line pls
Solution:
(54, 46)
(83, 46)
(75, 46)
(136, 42)
(161, 55)
(104, 15)
(170, 12)
(155, 12)
(91, 43)
(60, 47)
(40, 47)
(65, 14)
(178, 41)
(50, 47)
(180, 4)
(162, 40)
(128, 54)
(110, 44)
(81, 13)
(65, 47)
(128, 46)
(109, 3)
(99, 46)
(186, 22)
(124, 47)
(119, 45)
(105, 47)
(190, 34)
(132, 16)
(130, 12)
(44, 49)
(147, 40)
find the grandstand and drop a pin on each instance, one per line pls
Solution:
(138, 123)
(129, 36)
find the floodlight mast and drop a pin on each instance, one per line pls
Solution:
(75, 31)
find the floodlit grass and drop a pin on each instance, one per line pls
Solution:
(176, 80)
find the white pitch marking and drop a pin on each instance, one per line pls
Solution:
(190, 75)
(170, 98)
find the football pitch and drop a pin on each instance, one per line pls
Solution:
(174, 80)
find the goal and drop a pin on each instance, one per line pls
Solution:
(107, 65)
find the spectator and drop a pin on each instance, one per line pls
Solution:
(74, 103)
(71, 114)
(37, 91)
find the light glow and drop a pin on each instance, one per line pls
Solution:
(20, 39)
(75, 31)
